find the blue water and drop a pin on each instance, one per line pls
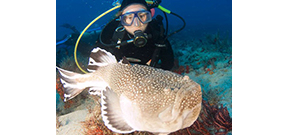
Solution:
(201, 16)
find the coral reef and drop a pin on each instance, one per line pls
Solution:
(213, 120)
(203, 52)
(182, 69)
(68, 63)
(209, 61)
(93, 126)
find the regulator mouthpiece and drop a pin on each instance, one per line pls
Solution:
(139, 38)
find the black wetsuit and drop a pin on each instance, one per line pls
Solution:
(144, 54)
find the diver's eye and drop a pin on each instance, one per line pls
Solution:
(142, 16)
(128, 18)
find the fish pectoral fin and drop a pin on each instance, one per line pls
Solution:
(75, 83)
(100, 57)
(112, 113)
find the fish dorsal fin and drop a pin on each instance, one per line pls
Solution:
(100, 57)
(124, 61)
(112, 113)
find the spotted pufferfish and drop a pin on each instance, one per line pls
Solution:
(136, 97)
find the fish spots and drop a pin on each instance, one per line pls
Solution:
(154, 90)
(167, 91)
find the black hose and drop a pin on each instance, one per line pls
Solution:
(108, 45)
(166, 19)
(184, 24)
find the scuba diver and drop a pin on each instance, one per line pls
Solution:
(135, 35)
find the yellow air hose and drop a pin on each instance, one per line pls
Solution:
(77, 42)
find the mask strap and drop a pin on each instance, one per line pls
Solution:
(152, 10)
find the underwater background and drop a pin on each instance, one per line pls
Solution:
(205, 16)
(260, 55)
(202, 50)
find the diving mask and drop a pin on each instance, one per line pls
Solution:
(144, 16)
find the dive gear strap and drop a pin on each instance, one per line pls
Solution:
(118, 34)
(156, 54)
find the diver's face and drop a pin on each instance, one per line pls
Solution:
(137, 24)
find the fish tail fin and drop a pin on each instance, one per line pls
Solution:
(75, 83)
(99, 58)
